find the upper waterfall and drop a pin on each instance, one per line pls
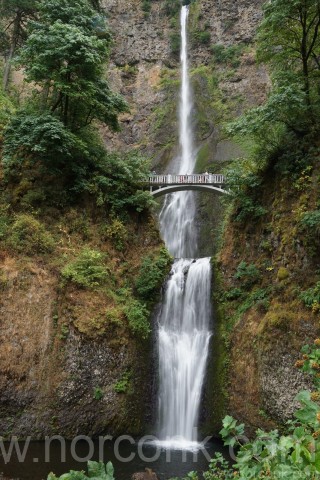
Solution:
(186, 134)
(177, 217)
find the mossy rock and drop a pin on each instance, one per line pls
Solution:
(279, 317)
(283, 274)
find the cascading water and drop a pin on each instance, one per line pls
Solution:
(184, 320)
(179, 210)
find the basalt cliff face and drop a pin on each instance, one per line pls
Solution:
(145, 68)
(70, 363)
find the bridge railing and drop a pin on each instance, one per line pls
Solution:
(195, 179)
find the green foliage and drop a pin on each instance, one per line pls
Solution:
(51, 137)
(293, 455)
(79, 162)
(289, 40)
(175, 43)
(201, 37)
(233, 294)
(146, 6)
(244, 180)
(27, 235)
(124, 384)
(116, 180)
(285, 107)
(31, 137)
(6, 111)
(97, 393)
(138, 318)
(96, 471)
(117, 233)
(152, 273)
(14, 16)
(310, 221)
(227, 55)
(172, 7)
(258, 298)
(284, 127)
(5, 220)
(65, 54)
(311, 297)
(88, 270)
(247, 274)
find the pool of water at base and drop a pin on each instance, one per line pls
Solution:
(127, 458)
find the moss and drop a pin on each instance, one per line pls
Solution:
(204, 158)
(283, 274)
(279, 317)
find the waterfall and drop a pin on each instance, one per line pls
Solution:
(179, 209)
(184, 319)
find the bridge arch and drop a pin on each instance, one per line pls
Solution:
(164, 190)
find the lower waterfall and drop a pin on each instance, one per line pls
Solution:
(184, 334)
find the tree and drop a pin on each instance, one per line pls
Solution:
(15, 15)
(65, 56)
(288, 42)
(289, 39)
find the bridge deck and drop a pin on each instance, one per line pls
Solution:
(194, 179)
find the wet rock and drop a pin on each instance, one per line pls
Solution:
(147, 475)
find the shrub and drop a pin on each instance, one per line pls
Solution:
(29, 236)
(5, 221)
(97, 393)
(311, 297)
(152, 273)
(32, 137)
(96, 471)
(311, 221)
(6, 110)
(202, 38)
(172, 7)
(146, 6)
(258, 298)
(175, 43)
(117, 233)
(227, 55)
(248, 274)
(123, 385)
(244, 181)
(233, 294)
(138, 318)
(116, 181)
(88, 270)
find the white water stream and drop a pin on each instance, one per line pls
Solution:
(179, 210)
(184, 320)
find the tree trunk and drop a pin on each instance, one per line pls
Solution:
(7, 68)
(13, 46)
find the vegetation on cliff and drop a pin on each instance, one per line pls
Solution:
(268, 263)
(292, 455)
(76, 214)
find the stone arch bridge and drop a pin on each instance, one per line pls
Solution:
(163, 184)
